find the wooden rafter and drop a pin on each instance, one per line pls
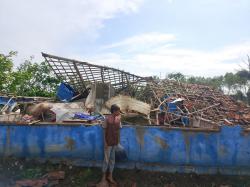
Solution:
(79, 74)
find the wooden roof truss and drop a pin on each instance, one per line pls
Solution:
(79, 74)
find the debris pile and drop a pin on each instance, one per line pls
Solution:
(195, 105)
(127, 104)
(88, 91)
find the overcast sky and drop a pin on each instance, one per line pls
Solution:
(145, 37)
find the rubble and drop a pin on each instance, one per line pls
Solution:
(42, 111)
(11, 117)
(95, 88)
(127, 104)
(197, 103)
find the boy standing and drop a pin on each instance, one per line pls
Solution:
(111, 126)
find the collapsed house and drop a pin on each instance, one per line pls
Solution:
(87, 92)
(196, 105)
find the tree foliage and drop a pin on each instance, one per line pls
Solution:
(29, 79)
(6, 67)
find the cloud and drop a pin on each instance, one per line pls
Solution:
(162, 58)
(53, 26)
(33, 26)
(192, 62)
(143, 40)
(170, 1)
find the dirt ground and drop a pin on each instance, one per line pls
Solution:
(12, 170)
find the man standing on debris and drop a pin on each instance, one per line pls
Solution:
(111, 126)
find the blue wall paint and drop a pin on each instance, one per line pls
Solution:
(153, 148)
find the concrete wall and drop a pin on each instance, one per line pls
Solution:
(226, 151)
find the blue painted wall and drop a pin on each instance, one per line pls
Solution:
(154, 148)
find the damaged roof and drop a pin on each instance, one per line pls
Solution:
(79, 74)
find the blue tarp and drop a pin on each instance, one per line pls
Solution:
(87, 117)
(65, 92)
(5, 100)
(172, 107)
(9, 101)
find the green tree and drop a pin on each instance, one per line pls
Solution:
(230, 80)
(6, 68)
(248, 96)
(155, 77)
(239, 95)
(176, 76)
(192, 80)
(216, 82)
(244, 74)
(34, 79)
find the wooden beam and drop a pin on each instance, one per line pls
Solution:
(80, 76)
